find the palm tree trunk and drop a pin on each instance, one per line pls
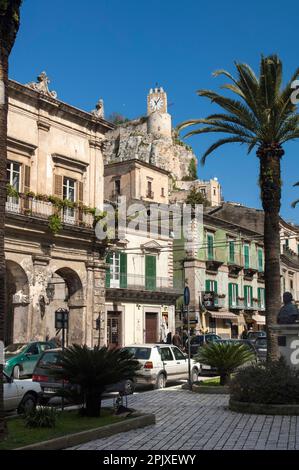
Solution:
(3, 157)
(270, 183)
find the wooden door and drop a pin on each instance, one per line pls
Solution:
(151, 327)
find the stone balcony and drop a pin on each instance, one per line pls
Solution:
(42, 210)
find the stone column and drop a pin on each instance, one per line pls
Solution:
(41, 275)
(96, 317)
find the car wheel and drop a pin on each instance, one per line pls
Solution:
(16, 372)
(161, 381)
(194, 375)
(43, 401)
(129, 387)
(27, 404)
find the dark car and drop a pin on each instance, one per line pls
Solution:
(44, 373)
(253, 335)
(199, 340)
(260, 345)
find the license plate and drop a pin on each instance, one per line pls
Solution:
(50, 390)
(206, 367)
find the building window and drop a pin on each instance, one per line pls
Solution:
(203, 191)
(150, 272)
(248, 296)
(260, 259)
(210, 246)
(261, 297)
(231, 251)
(233, 294)
(117, 187)
(116, 272)
(14, 175)
(162, 192)
(287, 243)
(14, 180)
(69, 193)
(291, 284)
(214, 192)
(246, 256)
(149, 190)
(212, 286)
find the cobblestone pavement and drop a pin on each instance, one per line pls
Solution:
(186, 420)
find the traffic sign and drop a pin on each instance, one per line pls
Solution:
(186, 295)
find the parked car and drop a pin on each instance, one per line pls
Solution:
(206, 369)
(21, 358)
(51, 386)
(20, 395)
(260, 345)
(199, 340)
(161, 363)
(253, 335)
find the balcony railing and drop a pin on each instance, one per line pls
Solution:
(42, 209)
(150, 195)
(141, 282)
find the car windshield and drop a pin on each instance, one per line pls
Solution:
(139, 353)
(50, 360)
(15, 348)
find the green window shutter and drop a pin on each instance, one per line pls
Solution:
(208, 285)
(210, 240)
(123, 283)
(251, 295)
(260, 260)
(108, 261)
(245, 295)
(150, 272)
(231, 252)
(215, 289)
(237, 294)
(230, 294)
(246, 256)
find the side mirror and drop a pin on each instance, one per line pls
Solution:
(28, 354)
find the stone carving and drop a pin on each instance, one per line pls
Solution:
(20, 298)
(42, 85)
(99, 111)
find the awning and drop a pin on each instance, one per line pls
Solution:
(259, 319)
(224, 315)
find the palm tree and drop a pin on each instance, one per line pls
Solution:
(9, 25)
(294, 204)
(93, 370)
(261, 115)
(224, 357)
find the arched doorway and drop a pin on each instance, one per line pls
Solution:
(17, 288)
(67, 292)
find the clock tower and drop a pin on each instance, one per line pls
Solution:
(159, 121)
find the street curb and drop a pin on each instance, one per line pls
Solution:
(263, 409)
(75, 439)
(211, 390)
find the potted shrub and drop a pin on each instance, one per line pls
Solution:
(225, 358)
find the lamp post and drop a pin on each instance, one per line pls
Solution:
(186, 303)
(61, 323)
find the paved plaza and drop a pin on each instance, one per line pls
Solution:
(187, 420)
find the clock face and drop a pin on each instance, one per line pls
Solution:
(156, 103)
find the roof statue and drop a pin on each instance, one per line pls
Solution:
(99, 111)
(42, 85)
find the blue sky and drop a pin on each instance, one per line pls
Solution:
(118, 49)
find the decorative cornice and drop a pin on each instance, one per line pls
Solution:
(69, 163)
(25, 148)
(43, 125)
(97, 144)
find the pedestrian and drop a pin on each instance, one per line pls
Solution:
(244, 334)
(168, 338)
(176, 340)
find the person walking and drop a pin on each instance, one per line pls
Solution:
(176, 340)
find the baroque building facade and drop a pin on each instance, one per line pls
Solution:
(53, 257)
